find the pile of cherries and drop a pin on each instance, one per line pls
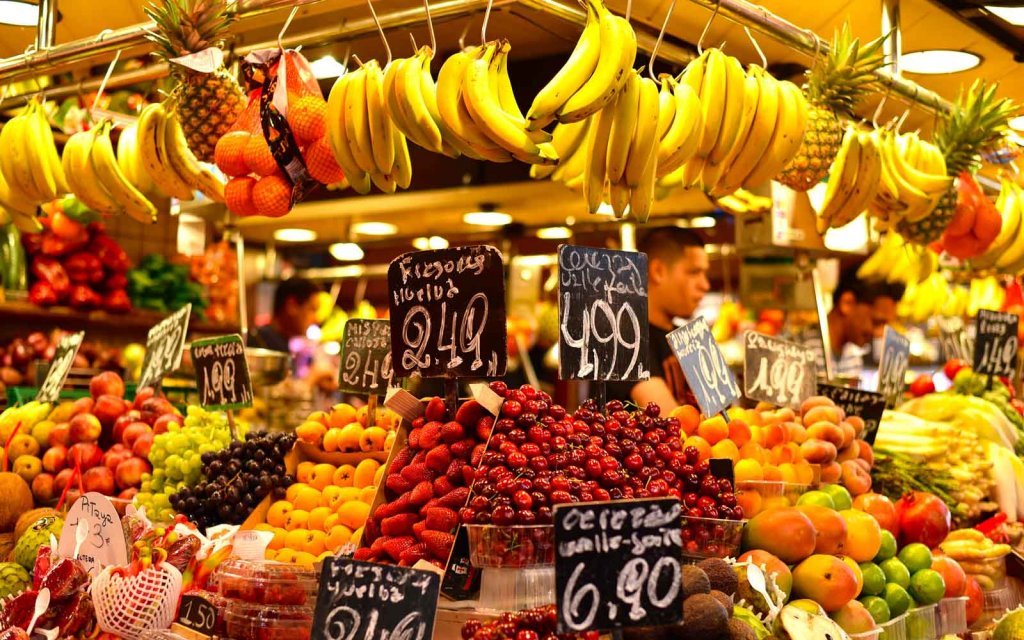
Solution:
(530, 624)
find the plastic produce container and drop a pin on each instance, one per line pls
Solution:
(514, 589)
(951, 616)
(757, 495)
(895, 629)
(997, 602)
(867, 635)
(522, 546)
(711, 537)
(268, 622)
(990, 573)
(266, 582)
(921, 624)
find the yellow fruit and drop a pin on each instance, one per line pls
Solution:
(337, 536)
(22, 445)
(377, 477)
(341, 415)
(367, 494)
(324, 556)
(293, 491)
(332, 440)
(330, 497)
(321, 476)
(373, 439)
(365, 472)
(311, 432)
(308, 499)
(348, 494)
(343, 476)
(297, 519)
(279, 538)
(317, 517)
(315, 543)
(353, 513)
(348, 439)
(269, 554)
(357, 535)
(304, 559)
(303, 470)
(389, 441)
(296, 539)
(28, 467)
(319, 416)
(863, 535)
(278, 513)
(285, 555)
(331, 521)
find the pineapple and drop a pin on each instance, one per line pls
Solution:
(206, 104)
(833, 88)
(978, 121)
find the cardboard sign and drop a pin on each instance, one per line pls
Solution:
(366, 601)
(198, 614)
(704, 366)
(60, 365)
(953, 339)
(618, 564)
(995, 347)
(892, 366)
(448, 313)
(868, 405)
(776, 371)
(602, 314)
(104, 545)
(222, 373)
(164, 345)
(366, 357)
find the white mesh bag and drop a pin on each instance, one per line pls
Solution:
(130, 605)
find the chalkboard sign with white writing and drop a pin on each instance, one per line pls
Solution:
(165, 343)
(222, 373)
(704, 366)
(868, 405)
(618, 564)
(953, 339)
(366, 601)
(892, 367)
(776, 371)
(995, 350)
(366, 357)
(602, 314)
(197, 613)
(60, 365)
(448, 313)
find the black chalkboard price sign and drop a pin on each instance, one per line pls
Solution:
(198, 614)
(954, 340)
(222, 374)
(995, 343)
(776, 371)
(868, 405)
(892, 367)
(602, 314)
(448, 313)
(164, 345)
(366, 357)
(366, 601)
(60, 365)
(618, 564)
(704, 366)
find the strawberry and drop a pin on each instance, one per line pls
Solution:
(419, 528)
(452, 432)
(419, 457)
(393, 508)
(418, 422)
(365, 555)
(441, 519)
(439, 457)
(413, 554)
(402, 459)
(456, 499)
(468, 475)
(435, 410)
(395, 546)
(478, 452)
(431, 436)
(468, 414)
(454, 470)
(416, 473)
(430, 504)
(378, 545)
(483, 428)
(399, 525)
(421, 493)
(396, 483)
(463, 448)
(371, 531)
(439, 543)
(443, 486)
(414, 438)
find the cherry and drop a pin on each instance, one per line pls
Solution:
(517, 460)
(499, 387)
(511, 408)
(522, 499)
(503, 515)
(538, 463)
(692, 455)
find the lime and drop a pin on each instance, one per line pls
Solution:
(877, 607)
(927, 586)
(888, 548)
(1011, 627)
(841, 498)
(896, 572)
(874, 579)
(898, 599)
(916, 557)
(819, 498)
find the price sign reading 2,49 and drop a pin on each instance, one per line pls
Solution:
(63, 358)
(222, 373)
(704, 366)
(448, 313)
(366, 356)
(995, 350)
(164, 345)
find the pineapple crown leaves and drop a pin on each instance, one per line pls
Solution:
(847, 73)
(187, 26)
(977, 121)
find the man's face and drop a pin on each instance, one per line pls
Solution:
(883, 312)
(683, 282)
(299, 315)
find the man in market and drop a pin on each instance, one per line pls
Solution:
(295, 306)
(860, 311)
(677, 280)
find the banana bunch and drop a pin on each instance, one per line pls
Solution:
(853, 180)
(410, 99)
(160, 160)
(366, 142)
(570, 142)
(955, 305)
(680, 125)
(924, 299)
(895, 260)
(595, 71)
(985, 293)
(622, 151)
(30, 168)
(913, 177)
(1006, 253)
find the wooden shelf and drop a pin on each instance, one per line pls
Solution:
(26, 317)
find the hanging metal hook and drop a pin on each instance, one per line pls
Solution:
(629, 9)
(700, 42)
(657, 43)
(881, 103)
(757, 48)
(462, 36)
(430, 26)
(287, 23)
(487, 18)
(103, 84)
(412, 39)
(380, 30)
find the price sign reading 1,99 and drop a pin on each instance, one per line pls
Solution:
(995, 349)
(222, 373)
(704, 366)
(892, 366)
(164, 345)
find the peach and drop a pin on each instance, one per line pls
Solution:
(854, 618)
(829, 528)
(795, 432)
(831, 472)
(804, 472)
(774, 435)
(849, 433)
(866, 453)
(827, 431)
(857, 423)
(815, 401)
(753, 451)
(748, 470)
(846, 454)
(750, 501)
(823, 413)
(739, 432)
(818, 451)
(772, 473)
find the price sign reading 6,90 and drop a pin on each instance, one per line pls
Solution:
(892, 366)
(995, 349)
(63, 358)
(222, 374)
(704, 366)
(164, 345)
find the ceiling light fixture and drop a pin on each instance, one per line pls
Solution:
(374, 229)
(605, 209)
(19, 13)
(346, 251)
(554, 233)
(295, 235)
(1017, 123)
(938, 61)
(327, 67)
(1013, 15)
(487, 218)
(423, 243)
(702, 222)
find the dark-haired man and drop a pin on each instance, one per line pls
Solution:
(295, 306)
(860, 311)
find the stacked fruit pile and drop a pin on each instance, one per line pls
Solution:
(344, 430)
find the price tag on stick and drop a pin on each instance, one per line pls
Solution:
(366, 357)
(776, 371)
(995, 348)
(892, 367)
(618, 564)
(63, 358)
(222, 373)
(704, 366)
(448, 313)
(868, 405)
(165, 343)
(602, 314)
(366, 601)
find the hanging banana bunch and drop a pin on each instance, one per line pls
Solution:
(30, 168)
(159, 160)
(913, 178)
(570, 143)
(853, 180)
(410, 99)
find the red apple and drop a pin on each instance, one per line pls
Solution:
(133, 431)
(106, 383)
(88, 454)
(55, 459)
(108, 409)
(142, 445)
(124, 499)
(82, 405)
(100, 480)
(129, 473)
(112, 457)
(154, 408)
(161, 423)
(85, 427)
(60, 481)
(130, 416)
(141, 395)
(60, 435)
(128, 494)
(44, 488)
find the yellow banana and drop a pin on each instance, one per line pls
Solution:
(566, 139)
(1009, 208)
(680, 142)
(714, 171)
(452, 108)
(409, 89)
(714, 86)
(736, 99)
(618, 196)
(623, 127)
(869, 173)
(15, 162)
(383, 146)
(198, 176)
(357, 126)
(358, 179)
(22, 210)
(645, 139)
(49, 166)
(153, 152)
(617, 55)
(786, 139)
(104, 165)
(402, 171)
(842, 179)
(597, 158)
(87, 183)
(754, 147)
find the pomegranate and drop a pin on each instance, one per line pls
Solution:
(923, 518)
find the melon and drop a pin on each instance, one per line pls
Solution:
(17, 499)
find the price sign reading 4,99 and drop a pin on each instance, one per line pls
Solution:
(365, 601)
(164, 345)
(366, 357)
(867, 405)
(995, 345)
(618, 564)
(222, 374)
(704, 366)
(892, 367)
(448, 313)
(602, 314)
(63, 358)
(776, 371)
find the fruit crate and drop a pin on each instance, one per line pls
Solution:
(711, 537)
(266, 582)
(921, 623)
(951, 616)
(519, 546)
(895, 629)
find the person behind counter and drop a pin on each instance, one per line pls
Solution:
(860, 311)
(295, 306)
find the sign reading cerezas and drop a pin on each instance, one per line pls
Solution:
(60, 366)
(448, 313)
(704, 366)
(602, 314)
(776, 371)
(165, 343)
(222, 373)
(366, 357)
